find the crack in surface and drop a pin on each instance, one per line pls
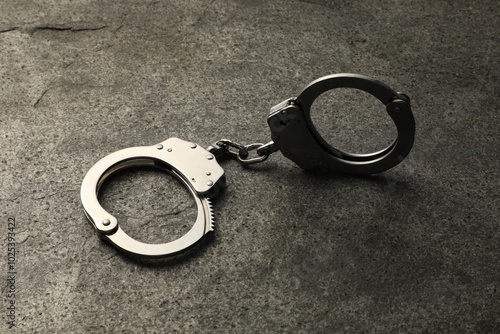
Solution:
(72, 27)
(35, 105)
(7, 29)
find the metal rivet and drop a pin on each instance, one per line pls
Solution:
(208, 173)
(192, 145)
(193, 180)
(170, 150)
(210, 157)
(210, 183)
(106, 222)
(159, 146)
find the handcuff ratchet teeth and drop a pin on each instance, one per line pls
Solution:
(292, 133)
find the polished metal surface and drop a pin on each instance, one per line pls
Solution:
(294, 134)
(195, 167)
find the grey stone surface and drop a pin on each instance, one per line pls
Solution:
(415, 249)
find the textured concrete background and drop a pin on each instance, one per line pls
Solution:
(415, 249)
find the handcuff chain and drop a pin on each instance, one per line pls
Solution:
(242, 152)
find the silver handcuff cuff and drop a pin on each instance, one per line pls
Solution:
(292, 133)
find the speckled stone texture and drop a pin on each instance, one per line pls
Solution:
(412, 250)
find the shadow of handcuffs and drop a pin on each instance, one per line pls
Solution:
(292, 133)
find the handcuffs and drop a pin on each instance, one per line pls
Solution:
(292, 133)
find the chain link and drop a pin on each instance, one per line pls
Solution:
(242, 152)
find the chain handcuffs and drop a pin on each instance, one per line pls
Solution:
(292, 133)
